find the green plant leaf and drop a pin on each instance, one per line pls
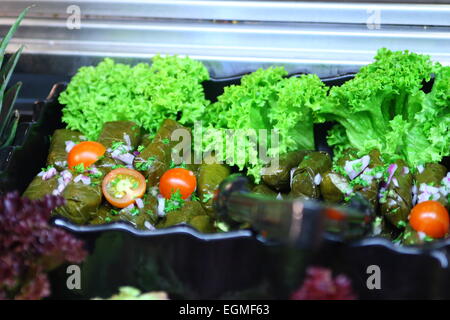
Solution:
(9, 101)
(12, 131)
(9, 35)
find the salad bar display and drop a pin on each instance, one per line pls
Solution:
(113, 161)
(141, 163)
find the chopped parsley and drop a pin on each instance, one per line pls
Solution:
(114, 212)
(401, 224)
(48, 168)
(207, 197)
(140, 148)
(383, 196)
(357, 166)
(117, 166)
(95, 175)
(359, 181)
(173, 165)
(116, 145)
(107, 219)
(79, 168)
(340, 170)
(145, 165)
(165, 141)
(119, 145)
(194, 197)
(175, 202)
(134, 211)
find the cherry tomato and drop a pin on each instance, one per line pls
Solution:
(121, 187)
(177, 179)
(431, 218)
(86, 153)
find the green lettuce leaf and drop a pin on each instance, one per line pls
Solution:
(146, 94)
(384, 108)
(266, 100)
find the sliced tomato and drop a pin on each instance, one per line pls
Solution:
(122, 186)
(86, 153)
(177, 179)
(431, 218)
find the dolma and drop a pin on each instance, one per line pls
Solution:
(209, 178)
(264, 190)
(121, 135)
(307, 177)
(203, 223)
(156, 158)
(412, 237)
(369, 182)
(104, 215)
(82, 202)
(146, 139)
(396, 197)
(127, 132)
(348, 155)
(38, 187)
(428, 181)
(189, 214)
(279, 178)
(334, 187)
(57, 155)
(143, 219)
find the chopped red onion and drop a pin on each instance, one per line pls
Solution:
(405, 170)
(420, 168)
(127, 139)
(94, 170)
(126, 158)
(50, 173)
(61, 163)
(69, 145)
(395, 182)
(84, 179)
(349, 165)
(63, 181)
(139, 203)
(291, 175)
(149, 226)
(161, 205)
(392, 168)
(317, 179)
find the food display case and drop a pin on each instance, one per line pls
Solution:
(231, 38)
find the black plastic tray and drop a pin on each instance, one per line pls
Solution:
(237, 264)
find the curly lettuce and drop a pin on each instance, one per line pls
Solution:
(385, 108)
(171, 87)
(266, 99)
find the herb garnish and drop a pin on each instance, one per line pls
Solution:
(175, 202)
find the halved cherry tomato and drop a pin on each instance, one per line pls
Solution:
(122, 186)
(431, 218)
(86, 153)
(177, 179)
